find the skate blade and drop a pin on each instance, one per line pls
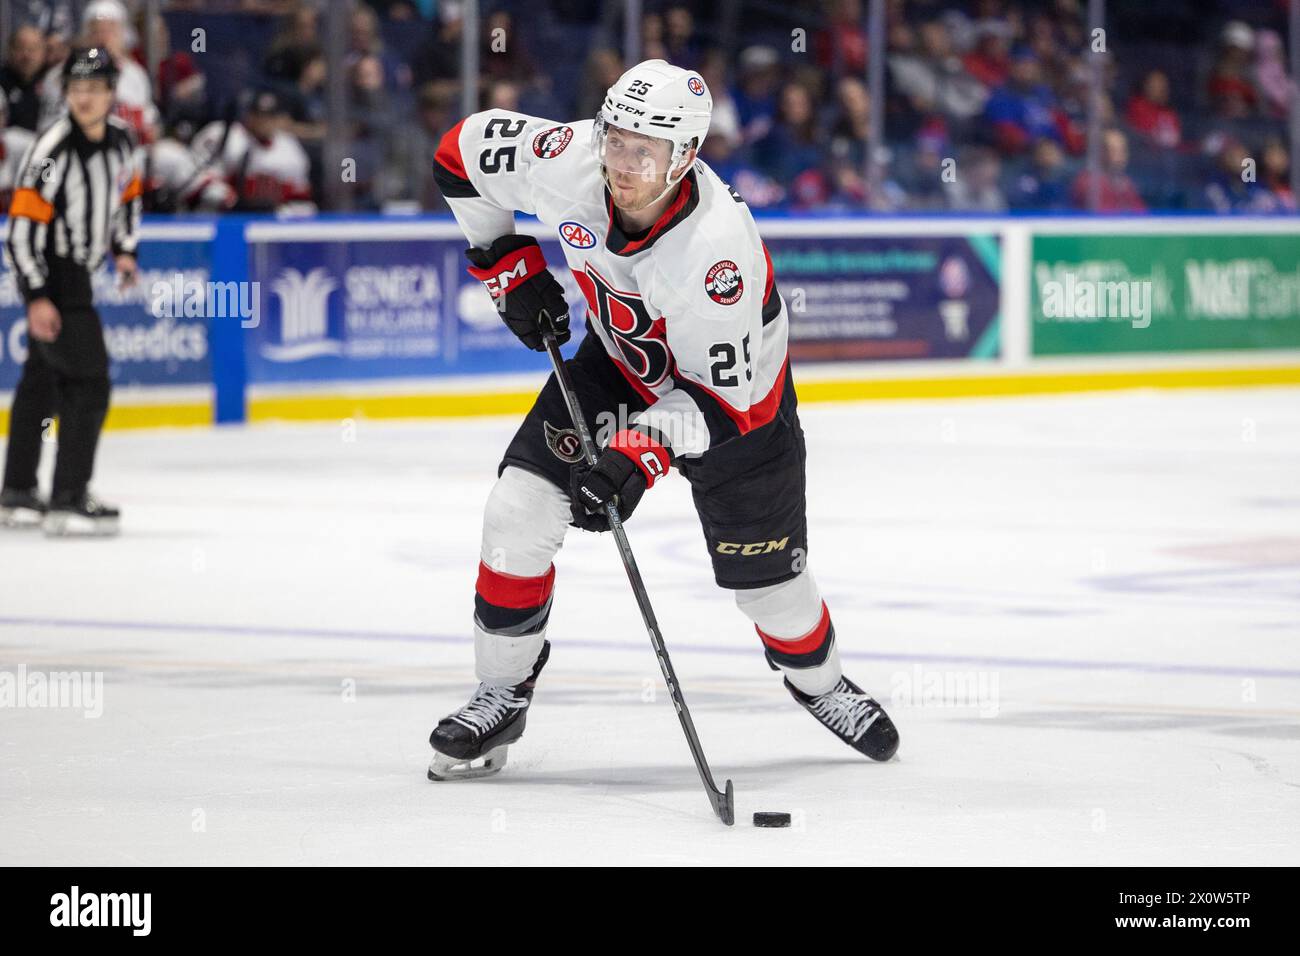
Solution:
(458, 768)
(20, 518)
(64, 525)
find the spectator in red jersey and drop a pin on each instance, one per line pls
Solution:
(1150, 114)
(1232, 94)
(841, 46)
(1116, 191)
(990, 60)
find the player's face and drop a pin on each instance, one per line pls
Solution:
(89, 101)
(636, 167)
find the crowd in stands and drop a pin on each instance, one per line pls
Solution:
(986, 102)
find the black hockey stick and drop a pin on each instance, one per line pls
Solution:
(723, 801)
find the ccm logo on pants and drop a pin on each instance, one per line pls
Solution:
(757, 547)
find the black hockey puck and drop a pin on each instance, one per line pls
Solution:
(771, 819)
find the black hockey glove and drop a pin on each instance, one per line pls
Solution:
(515, 273)
(632, 462)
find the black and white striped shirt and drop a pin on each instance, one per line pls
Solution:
(74, 199)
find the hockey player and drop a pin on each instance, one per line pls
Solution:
(686, 348)
(255, 165)
(14, 143)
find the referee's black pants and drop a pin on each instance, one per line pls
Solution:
(68, 378)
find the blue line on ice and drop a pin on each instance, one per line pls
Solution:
(1045, 663)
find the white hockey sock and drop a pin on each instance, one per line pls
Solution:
(795, 627)
(523, 528)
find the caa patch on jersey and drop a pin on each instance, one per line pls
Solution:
(723, 283)
(550, 143)
(577, 235)
(564, 443)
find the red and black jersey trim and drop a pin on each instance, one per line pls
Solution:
(449, 168)
(626, 244)
(771, 298)
(725, 422)
(808, 651)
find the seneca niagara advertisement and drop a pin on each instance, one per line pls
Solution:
(360, 309)
(364, 309)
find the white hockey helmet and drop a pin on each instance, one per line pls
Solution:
(655, 98)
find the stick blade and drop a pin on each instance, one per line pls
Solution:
(724, 804)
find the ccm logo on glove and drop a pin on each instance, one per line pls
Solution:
(497, 277)
(528, 297)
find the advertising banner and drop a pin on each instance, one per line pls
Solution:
(156, 331)
(354, 309)
(1096, 294)
(878, 297)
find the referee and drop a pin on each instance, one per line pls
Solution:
(76, 199)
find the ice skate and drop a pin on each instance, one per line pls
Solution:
(81, 516)
(21, 508)
(850, 714)
(472, 742)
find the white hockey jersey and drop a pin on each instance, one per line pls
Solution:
(688, 311)
(14, 143)
(249, 172)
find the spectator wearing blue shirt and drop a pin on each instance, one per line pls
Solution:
(1044, 183)
(794, 146)
(755, 95)
(1023, 110)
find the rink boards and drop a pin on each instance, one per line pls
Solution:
(333, 318)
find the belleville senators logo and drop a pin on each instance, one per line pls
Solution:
(550, 143)
(723, 283)
(564, 443)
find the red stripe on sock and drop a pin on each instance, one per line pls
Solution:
(512, 591)
(800, 645)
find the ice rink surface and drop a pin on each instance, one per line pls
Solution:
(1083, 613)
